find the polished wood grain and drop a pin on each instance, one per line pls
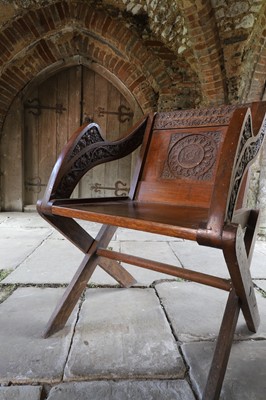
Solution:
(223, 347)
(152, 217)
(173, 270)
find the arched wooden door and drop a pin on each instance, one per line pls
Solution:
(55, 109)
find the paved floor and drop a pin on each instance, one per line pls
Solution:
(153, 341)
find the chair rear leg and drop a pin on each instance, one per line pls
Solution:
(238, 265)
(223, 347)
(79, 282)
(116, 271)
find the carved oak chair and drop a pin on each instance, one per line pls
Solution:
(189, 182)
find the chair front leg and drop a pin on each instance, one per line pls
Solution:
(79, 282)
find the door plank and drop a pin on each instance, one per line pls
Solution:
(124, 164)
(31, 155)
(85, 186)
(100, 100)
(112, 134)
(62, 97)
(82, 92)
(47, 132)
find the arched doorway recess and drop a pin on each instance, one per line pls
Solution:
(55, 108)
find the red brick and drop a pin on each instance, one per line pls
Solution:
(89, 18)
(123, 71)
(60, 11)
(30, 25)
(106, 25)
(21, 29)
(112, 63)
(19, 73)
(12, 78)
(55, 14)
(118, 65)
(83, 9)
(8, 38)
(5, 53)
(49, 17)
(42, 19)
(112, 24)
(99, 22)
(66, 9)
(137, 83)
(6, 85)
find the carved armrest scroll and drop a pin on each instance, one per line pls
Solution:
(248, 149)
(85, 150)
(240, 146)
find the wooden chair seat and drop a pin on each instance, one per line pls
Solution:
(182, 222)
(190, 182)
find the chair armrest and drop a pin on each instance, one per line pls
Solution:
(86, 149)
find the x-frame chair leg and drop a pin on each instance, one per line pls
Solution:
(80, 280)
(223, 347)
(238, 265)
(80, 238)
(242, 296)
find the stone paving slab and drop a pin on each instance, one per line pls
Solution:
(126, 390)
(258, 267)
(161, 252)
(26, 357)
(91, 227)
(5, 292)
(22, 220)
(211, 261)
(261, 283)
(17, 244)
(245, 378)
(195, 311)
(56, 261)
(3, 217)
(200, 258)
(20, 393)
(260, 246)
(123, 334)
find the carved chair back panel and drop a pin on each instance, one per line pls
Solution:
(180, 166)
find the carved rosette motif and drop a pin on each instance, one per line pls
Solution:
(191, 156)
(91, 151)
(248, 150)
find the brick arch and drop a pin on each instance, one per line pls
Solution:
(49, 34)
(207, 59)
(43, 54)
